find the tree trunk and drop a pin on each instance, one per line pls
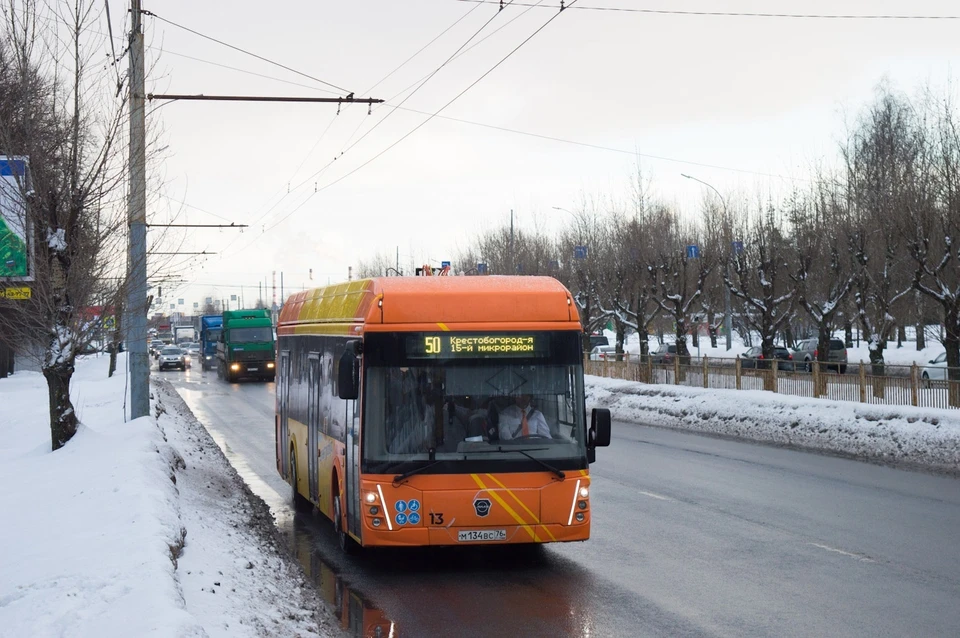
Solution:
(621, 337)
(5, 355)
(901, 335)
(712, 327)
(848, 334)
(921, 336)
(877, 367)
(788, 339)
(63, 418)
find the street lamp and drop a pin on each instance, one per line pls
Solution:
(727, 319)
(579, 254)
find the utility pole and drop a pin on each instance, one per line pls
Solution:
(137, 218)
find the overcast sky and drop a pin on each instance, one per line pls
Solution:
(744, 103)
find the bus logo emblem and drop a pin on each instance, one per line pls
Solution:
(482, 505)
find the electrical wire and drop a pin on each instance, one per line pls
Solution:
(244, 51)
(432, 115)
(731, 14)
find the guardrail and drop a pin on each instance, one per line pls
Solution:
(923, 386)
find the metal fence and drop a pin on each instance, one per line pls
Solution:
(924, 386)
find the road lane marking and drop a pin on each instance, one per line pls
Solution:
(656, 496)
(859, 557)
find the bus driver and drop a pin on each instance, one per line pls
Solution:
(522, 420)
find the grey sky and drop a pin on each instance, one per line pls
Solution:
(762, 95)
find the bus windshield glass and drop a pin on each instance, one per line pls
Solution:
(473, 402)
(251, 335)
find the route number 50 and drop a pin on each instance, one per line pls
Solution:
(432, 345)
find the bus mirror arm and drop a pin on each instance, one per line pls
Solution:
(599, 434)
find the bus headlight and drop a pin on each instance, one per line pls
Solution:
(269, 365)
(374, 510)
(580, 517)
(234, 366)
(582, 505)
(371, 497)
(584, 492)
(377, 522)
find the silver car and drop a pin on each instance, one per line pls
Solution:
(172, 357)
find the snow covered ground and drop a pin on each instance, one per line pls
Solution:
(135, 529)
(907, 355)
(922, 437)
(144, 529)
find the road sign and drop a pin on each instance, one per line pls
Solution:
(481, 269)
(444, 264)
(110, 323)
(20, 293)
(579, 252)
(15, 244)
(693, 251)
(233, 297)
(737, 247)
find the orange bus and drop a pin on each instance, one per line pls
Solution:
(437, 410)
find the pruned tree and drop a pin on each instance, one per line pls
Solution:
(60, 111)
(760, 280)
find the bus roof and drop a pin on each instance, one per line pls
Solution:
(433, 300)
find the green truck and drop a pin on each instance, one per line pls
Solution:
(246, 347)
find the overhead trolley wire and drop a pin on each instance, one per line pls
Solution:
(244, 51)
(432, 115)
(730, 14)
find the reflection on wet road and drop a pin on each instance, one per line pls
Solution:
(691, 536)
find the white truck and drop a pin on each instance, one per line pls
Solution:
(184, 334)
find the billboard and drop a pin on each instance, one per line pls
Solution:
(15, 244)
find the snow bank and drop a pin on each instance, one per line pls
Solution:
(906, 435)
(120, 533)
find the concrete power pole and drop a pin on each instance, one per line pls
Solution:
(137, 217)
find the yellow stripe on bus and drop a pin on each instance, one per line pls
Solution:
(516, 517)
(443, 327)
(522, 504)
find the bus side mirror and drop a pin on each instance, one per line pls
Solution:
(599, 435)
(348, 374)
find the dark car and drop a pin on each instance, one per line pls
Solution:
(806, 352)
(598, 340)
(753, 358)
(666, 353)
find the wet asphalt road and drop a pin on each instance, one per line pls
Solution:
(692, 536)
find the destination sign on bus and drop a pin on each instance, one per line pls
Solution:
(447, 346)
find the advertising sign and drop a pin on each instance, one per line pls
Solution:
(15, 262)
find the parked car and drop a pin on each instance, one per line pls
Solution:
(598, 340)
(753, 358)
(172, 357)
(936, 369)
(665, 353)
(806, 352)
(602, 353)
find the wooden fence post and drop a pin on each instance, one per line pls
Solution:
(816, 377)
(913, 385)
(649, 369)
(738, 369)
(774, 367)
(863, 383)
(706, 372)
(676, 370)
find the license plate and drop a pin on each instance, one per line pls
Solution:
(252, 369)
(468, 535)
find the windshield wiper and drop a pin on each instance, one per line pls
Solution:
(409, 473)
(524, 452)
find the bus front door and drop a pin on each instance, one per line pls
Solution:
(283, 436)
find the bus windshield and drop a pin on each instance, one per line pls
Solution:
(469, 412)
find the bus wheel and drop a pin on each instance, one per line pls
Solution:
(346, 543)
(300, 503)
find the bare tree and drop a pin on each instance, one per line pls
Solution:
(68, 128)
